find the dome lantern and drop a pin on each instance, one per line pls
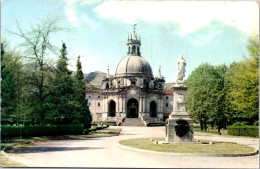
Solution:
(134, 43)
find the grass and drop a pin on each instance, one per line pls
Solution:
(215, 148)
(7, 162)
(25, 142)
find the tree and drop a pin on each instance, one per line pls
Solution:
(82, 108)
(8, 87)
(12, 85)
(63, 91)
(39, 69)
(245, 85)
(205, 93)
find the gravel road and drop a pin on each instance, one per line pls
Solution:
(106, 152)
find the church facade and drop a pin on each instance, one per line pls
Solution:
(133, 91)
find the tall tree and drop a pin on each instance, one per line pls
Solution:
(82, 108)
(39, 71)
(63, 91)
(8, 87)
(204, 95)
(12, 85)
(245, 85)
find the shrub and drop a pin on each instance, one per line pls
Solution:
(244, 123)
(155, 123)
(110, 123)
(256, 123)
(86, 131)
(75, 121)
(251, 131)
(237, 124)
(40, 130)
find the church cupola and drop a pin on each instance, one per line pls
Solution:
(133, 44)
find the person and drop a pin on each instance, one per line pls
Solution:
(181, 69)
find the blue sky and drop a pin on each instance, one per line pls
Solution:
(203, 31)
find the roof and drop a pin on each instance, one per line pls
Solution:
(93, 89)
(167, 91)
(132, 66)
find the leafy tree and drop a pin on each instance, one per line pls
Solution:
(8, 87)
(12, 86)
(205, 93)
(39, 68)
(245, 85)
(82, 108)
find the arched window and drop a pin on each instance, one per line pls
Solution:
(128, 50)
(133, 50)
(138, 51)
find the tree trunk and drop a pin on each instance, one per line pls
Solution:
(201, 125)
(205, 125)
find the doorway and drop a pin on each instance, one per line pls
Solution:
(153, 109)
(112, 108)
(132, 108)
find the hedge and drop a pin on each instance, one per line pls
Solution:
(154, 123)
(251, 131)
(110, 123)
(86, 131)
(41, 130)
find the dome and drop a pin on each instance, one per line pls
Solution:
(133, 66)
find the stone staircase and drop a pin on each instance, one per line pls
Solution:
(133, 122)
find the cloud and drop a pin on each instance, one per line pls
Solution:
(191, 16)
(71, 16)
(77, 19)
(83, 2)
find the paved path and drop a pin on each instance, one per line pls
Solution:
(106, 152)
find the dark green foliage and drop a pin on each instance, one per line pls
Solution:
(81, 106)
(62, 92)
(251, 131)
(86, 131)
(40, 130)
(205, 95)
(182, 128)
(256, 123)
(155, 123)
(110, 123)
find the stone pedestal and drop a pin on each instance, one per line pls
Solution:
(179, 126)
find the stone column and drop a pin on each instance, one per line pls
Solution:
(179, 125)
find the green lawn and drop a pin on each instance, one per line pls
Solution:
(215, 148)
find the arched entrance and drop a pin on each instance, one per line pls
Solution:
(132, 108)
(153, 109)
(112, 108)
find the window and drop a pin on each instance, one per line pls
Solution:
(98, 97)
(98, 104)
(166, 97)
(167, 105)
(133, 50)
(89, 104)
(89, 96)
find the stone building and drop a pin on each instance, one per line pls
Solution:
(133, 91)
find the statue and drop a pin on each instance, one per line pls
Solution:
(181, 69)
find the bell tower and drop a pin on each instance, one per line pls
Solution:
(133, 44)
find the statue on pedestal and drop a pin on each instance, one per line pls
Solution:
(179, 126)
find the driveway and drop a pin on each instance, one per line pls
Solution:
(106, 152)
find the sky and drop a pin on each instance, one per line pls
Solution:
(215, 32)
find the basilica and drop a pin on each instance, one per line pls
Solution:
(133, 91)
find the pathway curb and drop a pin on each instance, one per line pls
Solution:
(187, 154)
(3, 151)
